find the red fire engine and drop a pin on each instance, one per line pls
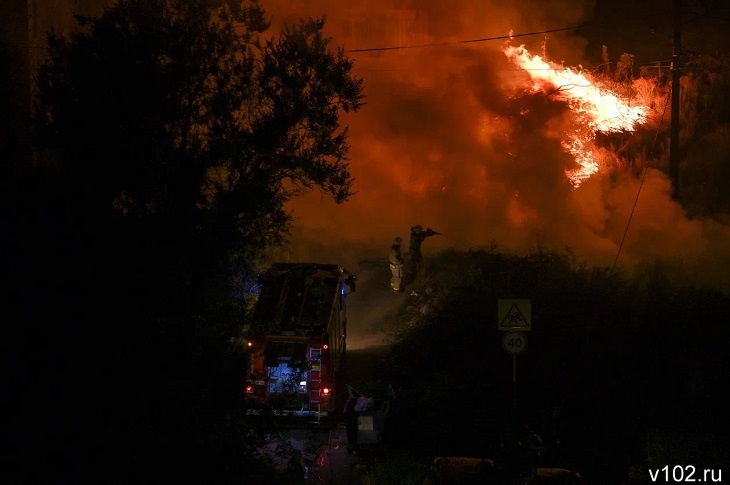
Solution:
(298, 338)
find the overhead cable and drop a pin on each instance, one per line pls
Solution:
(468, 41)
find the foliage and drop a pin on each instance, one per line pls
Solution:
(202, 130)
(648, 92)
(704, 118)
(625, 67)
(170, 135)
(607, 353)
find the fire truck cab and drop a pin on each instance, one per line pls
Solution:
(298, 338)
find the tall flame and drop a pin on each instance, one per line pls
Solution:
(596, 108)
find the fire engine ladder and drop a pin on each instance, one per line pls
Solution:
(315, 377)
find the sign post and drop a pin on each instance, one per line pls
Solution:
(514, 317)
(514, 343)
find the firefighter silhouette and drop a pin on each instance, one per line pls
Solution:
(295, 469)
(396, 264)
(418, 235)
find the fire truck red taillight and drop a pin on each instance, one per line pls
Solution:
(326, 391)
(325, 346)
(249, 389)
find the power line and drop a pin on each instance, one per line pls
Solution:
(468, 41)
(641, 184)
(457, 42)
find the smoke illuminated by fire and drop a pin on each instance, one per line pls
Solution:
(595, 108)
(445, 142)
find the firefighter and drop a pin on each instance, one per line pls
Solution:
(396, 264)
(418, 235)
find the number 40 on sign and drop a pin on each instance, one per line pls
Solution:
(514, 342)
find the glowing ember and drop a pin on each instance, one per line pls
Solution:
(596, 108)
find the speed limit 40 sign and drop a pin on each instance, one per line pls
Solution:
(514, 342)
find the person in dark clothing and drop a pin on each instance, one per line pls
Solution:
(418, 235)
(295, 469)
(351, 424)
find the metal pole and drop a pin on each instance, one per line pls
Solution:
(674, 129)
(514, 371)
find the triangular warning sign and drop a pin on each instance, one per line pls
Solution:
(514, 318)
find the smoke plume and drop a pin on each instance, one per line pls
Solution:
(448, 139)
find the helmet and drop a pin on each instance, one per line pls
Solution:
(418, 228)
(397, 241)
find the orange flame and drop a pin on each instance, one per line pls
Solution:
(596, 108)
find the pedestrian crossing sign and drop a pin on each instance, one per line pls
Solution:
(514, 315)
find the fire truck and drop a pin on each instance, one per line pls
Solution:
(298, 338)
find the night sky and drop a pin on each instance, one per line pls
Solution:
(441, 141)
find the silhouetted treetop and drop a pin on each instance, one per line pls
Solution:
(179, 109)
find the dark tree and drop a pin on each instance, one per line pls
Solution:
(176, 114)
(170, 135)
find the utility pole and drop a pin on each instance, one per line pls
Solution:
(674, 129)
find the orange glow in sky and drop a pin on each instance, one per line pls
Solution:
(444, 141)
